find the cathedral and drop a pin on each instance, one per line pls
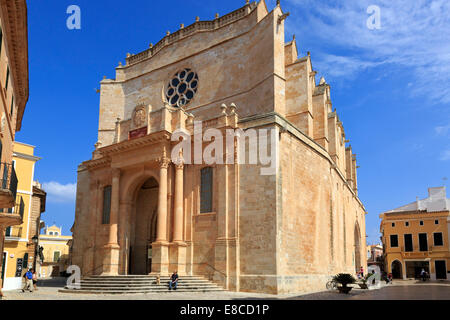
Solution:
(140, 211)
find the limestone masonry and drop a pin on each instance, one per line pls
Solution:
(137, 212)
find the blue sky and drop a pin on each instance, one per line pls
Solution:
(390, 86)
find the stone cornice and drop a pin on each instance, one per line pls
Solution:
(135, 143)
(15, 30)
(26, 156)
(97, 163)
(128, 145)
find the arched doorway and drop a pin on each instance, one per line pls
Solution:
(143, 232)
(357, 236)
(396, 269)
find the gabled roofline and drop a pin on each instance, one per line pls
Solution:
(185, 32)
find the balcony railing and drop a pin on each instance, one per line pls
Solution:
(8, 178)
(20, 206)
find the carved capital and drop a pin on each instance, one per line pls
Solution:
(115, 173)
(179, 165)
(164, 162)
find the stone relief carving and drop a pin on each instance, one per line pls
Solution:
(139, 117)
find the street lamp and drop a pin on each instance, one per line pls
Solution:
(35, 241)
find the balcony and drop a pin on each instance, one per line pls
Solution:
(415, 254)
(8, 185)
(10, 217)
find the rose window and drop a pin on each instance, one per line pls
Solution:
(182, 88)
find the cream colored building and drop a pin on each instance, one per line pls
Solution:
(55, 250)
(139, 211)
(20, 250)
(416, 236)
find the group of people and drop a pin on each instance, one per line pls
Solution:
(30, 280)
(385, 276)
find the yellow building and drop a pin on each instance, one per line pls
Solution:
(13, 99)
(21, 241)
(416, 236)
(56, 252)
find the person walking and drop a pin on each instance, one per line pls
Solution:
(173, 281)
(28, 281)
(423, 274)
(390, 278)
(34, 279)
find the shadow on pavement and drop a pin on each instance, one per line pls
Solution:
(52, 282)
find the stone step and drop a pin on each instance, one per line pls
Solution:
(137, 291)
(140, 280)
(109, 285)
(201, 285)
(141, 284)
(148, 288)
(128, 277)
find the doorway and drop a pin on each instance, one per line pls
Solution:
(414, 268)
(143, 232)
(397, 270)
(441, 269)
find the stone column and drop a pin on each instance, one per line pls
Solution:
(115, 201)
(160, 248)
(112, 248)
(221, 256)
(124, 235)
(178, 216)
(87, 249)
(178, 250)
(161, 229)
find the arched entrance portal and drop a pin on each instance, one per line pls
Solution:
(397, 269)
(357, 235)
(143, 231)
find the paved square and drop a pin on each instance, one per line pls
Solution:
(402, 290)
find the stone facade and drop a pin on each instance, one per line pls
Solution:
(139, 212)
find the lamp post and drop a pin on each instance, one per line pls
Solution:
(35, 241)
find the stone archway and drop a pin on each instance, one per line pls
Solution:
(357, 240)
(143, 232)
(396, 268)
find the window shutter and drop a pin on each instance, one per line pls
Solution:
(25, 262)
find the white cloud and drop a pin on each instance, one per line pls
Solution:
(442, 130)
(414, 35)
(57, 192)
(445, 156)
